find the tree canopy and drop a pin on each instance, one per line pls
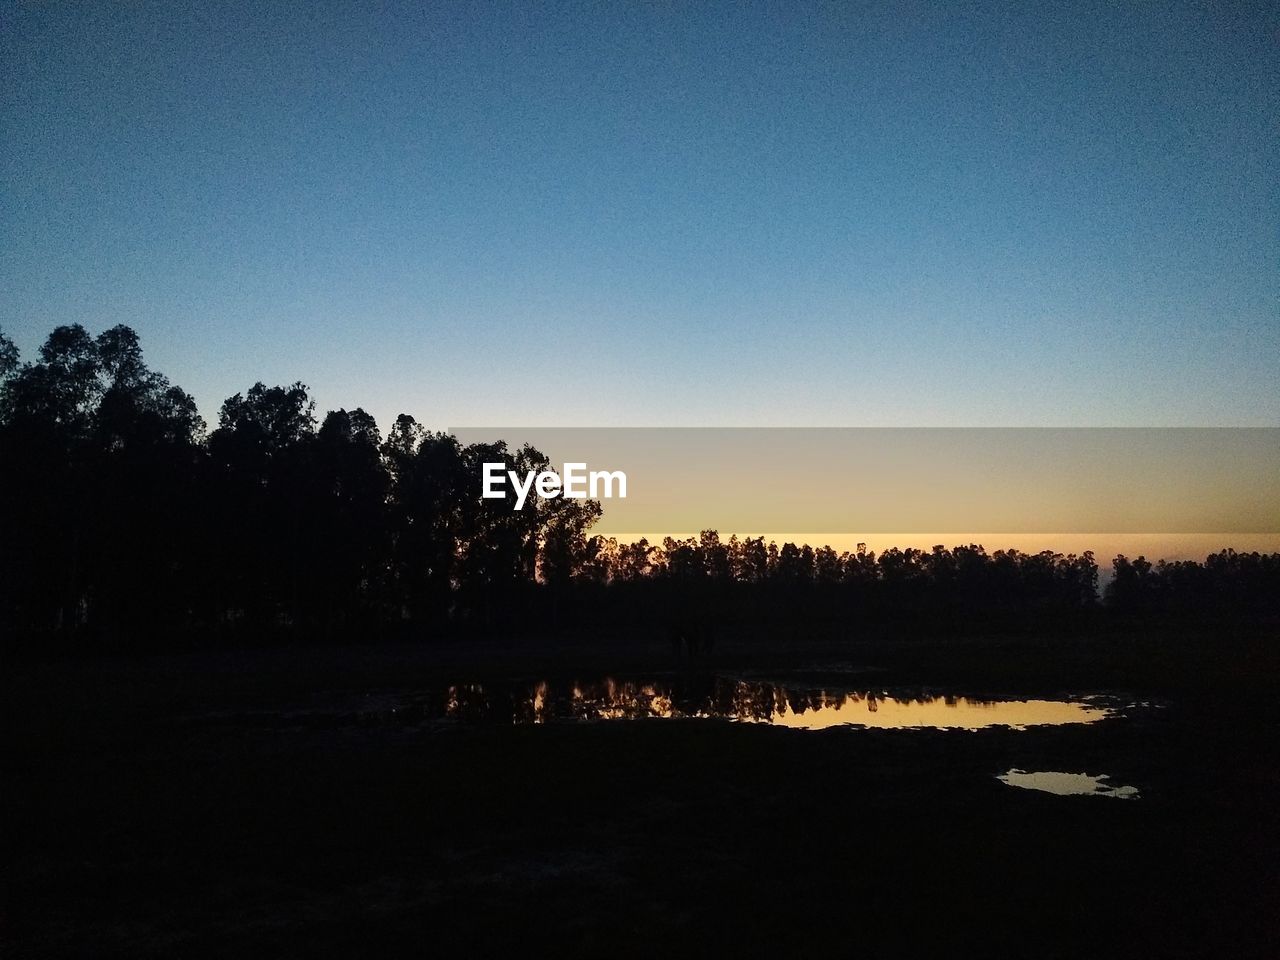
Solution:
(124, 517)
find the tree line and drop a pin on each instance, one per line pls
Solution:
(122, 516)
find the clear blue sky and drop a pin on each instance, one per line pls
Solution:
(986, 214)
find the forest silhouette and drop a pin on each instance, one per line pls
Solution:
(127, 522)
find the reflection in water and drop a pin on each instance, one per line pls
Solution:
(1067, 784)
(753, 702)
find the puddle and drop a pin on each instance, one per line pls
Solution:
(1067, 784)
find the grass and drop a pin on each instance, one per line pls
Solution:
(138, 824)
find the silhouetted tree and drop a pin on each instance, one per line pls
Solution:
(121, 521)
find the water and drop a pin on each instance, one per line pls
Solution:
(799, 704)
(751, 701)
(1067, 784)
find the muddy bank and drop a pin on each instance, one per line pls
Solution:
(137, 826)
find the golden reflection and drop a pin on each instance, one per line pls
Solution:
(540, 702)
(882, 711)
(748, 701)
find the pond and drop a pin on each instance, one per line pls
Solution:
(799, 703)
(753, 701)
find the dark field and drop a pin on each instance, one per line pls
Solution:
(177, 807)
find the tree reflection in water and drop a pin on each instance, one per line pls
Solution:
(749, 701)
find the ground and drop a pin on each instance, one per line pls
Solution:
(172, 806)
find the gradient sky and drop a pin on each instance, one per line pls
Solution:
(652, 214)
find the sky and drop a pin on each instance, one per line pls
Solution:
(660, 214)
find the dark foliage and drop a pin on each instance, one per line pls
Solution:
(124, 522)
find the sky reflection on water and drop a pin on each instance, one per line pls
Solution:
(1067, 784)
(749, 701)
